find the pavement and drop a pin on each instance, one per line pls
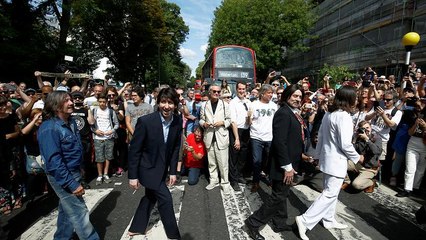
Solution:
(203, 214)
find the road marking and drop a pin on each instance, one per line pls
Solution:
(45, 227)
(343, 214)
(238, 207)
(404, 207)
(155, 229)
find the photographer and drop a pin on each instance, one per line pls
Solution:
(370, 147)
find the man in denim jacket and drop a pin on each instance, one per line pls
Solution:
(61, 151)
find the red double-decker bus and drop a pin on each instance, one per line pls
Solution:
(231, 63)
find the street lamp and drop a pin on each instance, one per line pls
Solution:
(409, 41)
(159, 55)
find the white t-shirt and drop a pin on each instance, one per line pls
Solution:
(379, 126)
(239, 111)
(103, 121)
(263, 114)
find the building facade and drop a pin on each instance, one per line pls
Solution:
(360, 33)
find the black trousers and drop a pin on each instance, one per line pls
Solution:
(238, 158)
(165, 208)
(274, 208)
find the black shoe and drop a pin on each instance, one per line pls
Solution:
(236, 187)
(281, 228)
(242, 180)
(404, 193)
(253, 232)
(85, 185)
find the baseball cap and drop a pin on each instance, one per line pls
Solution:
(77, 94)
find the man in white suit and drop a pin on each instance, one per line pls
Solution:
(215, 119)
(335, 148)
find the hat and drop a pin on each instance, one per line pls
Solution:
(382, 77)
(77, 94)
(408, 89)
(62, 88)
(197, 97)
(28, 90)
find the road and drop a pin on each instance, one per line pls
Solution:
(211, 215)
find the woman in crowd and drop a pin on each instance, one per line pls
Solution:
(36, 179)
(415, 164)
(9, 175)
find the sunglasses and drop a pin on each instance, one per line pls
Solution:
(388, 99)
(215, 91)
(227, 97)
(275, 84)
(111, 95)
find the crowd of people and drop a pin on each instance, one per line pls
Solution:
(272, 132)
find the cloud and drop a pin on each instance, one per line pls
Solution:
(187, 53)
(204, 47)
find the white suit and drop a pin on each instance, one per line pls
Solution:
(334, 148)
(217, 150)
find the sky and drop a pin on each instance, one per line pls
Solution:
(198, 16)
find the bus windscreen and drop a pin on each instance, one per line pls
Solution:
(233, 58)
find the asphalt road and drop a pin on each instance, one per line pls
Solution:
(212, 215)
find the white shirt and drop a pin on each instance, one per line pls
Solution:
(379, 126)
(239, 112)
(263, 114)
(103, 121)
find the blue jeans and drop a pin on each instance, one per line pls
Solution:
(193, 175)
(72, 213)
(258, 149)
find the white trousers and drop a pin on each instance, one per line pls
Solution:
(218, 158)
(415, 163)
(324, 207)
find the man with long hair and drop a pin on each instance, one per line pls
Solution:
(62, 153)
(286, 154)
(335, 148)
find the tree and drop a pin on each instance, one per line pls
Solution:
(133, 34)
(271, 28)
(338, 74)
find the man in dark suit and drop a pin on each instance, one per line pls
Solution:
(153, 152)
(286, 153)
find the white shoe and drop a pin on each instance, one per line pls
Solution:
(335, 225)
(211, 186)
(301, 227)
(226, 189)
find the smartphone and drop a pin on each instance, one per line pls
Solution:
(277, 73)
(308, 105)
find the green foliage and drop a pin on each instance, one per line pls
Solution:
(338, 73)
(271, 28)
(27, 43)
(135, 35)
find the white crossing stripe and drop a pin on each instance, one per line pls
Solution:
(343, 215)
(45, 227)
(155, 228)
(403, 206)
(238, 207)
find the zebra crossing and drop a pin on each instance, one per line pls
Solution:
(237, 206)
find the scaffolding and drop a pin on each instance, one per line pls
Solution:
(360, 33)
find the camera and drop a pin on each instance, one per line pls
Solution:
(411, 101)
(78, 104)
(361, 130)
(308, 105)
(366, 83)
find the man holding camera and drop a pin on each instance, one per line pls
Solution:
(383, 119)
(370, 147)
